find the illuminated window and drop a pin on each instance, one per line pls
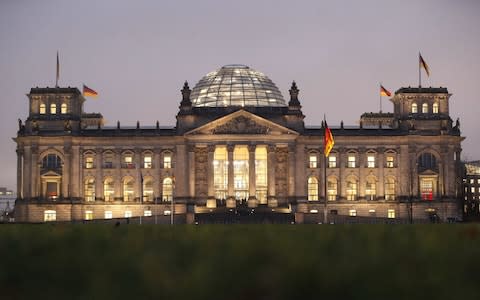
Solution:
(220, 172)
(63, 108)
(148, 189)
(372, 213)
(389, 163)
(240, 172)
(147, 161)
(424, 108)
(147, 213)
(128, 214)
(312, 161)
(128, 161)
(370, 189)
(414, 108)
(108, 189)
(43, 109)
(312, 189)
(332, 187)
(351, 161)
(391, 214)
(370, 161)
(88, 215)
(53, 108)
(89, 190)
(332, 161)
(352, 189)
(167, 161)
(352, 212)
(472, 189)
(167, 189)
(426, 188)
(472, 181)
(261, 170)
(390, 189)
(50, 215)
(89, 162)
(435, 108)
(108, 214)
(128, 189)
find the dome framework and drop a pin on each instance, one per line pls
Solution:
(236, 85)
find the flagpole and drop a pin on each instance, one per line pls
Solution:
(58, 71)
(380, 87)
(324, 172)
(419, 72)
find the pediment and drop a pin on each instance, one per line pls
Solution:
(241, 122)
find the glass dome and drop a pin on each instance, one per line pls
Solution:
(236, 85)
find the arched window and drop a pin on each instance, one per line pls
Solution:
(51, 162)
(43, 109)
(424, 108)
(352, 189)
(414, 108)
(63, 108)
(167, 189)
(127, 160)
(312, 189)
(108, 189)
(390, 189)
(427, 161)
(435, 108)
(332, 189)
(53, 108)
(371, 188)
(89, 189)
(147, 160)
(128, 189)
(148, 189)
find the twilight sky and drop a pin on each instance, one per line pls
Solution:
(137, 54)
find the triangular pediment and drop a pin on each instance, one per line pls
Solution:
(241, 122)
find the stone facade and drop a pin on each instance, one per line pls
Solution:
(72, 167)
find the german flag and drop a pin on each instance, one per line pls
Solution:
(88, 92)
(384, 91)
(423, 64)
(328, 141)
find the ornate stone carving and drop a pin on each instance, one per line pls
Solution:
(201, 171)
(240, 124)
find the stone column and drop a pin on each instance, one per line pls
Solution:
(35, 184)
(191, 171)
(76, 174)
(27, 172)
(271, 198)
(20, 172)
(300, 178)
(211, 201)
(291, 173)
(157, 163)
(231, 193)
(252, 186)
(342, 164)
(362, 180)
(138, 178)
(380, 164)
(66, 169)
(98, 174)
(117, 176)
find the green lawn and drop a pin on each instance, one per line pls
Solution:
(94, 261)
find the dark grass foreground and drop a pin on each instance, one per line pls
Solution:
(239, 262)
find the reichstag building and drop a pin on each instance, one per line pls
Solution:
(238, 145)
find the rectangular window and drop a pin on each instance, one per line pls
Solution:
(128, 162)
(312, 161)
(426, 186)
(128, 214)
(370, 161)
(147, 213)
(372, 213)
(332, 161)
(472, 181)
(389, 162)
(351, 161)
(50, 216)
(167, 162)
(472, 189)
(352, 212)
(391, 214)
(147, 162)
(89, 162)
(478, 181)
(108, 214)
(88, 215)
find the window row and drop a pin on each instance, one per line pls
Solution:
(425, 108)
(51, 215)
(128, 189)
(351, 189)
(126, 161)
(352, 161)
(373, 213)
(53, 108)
